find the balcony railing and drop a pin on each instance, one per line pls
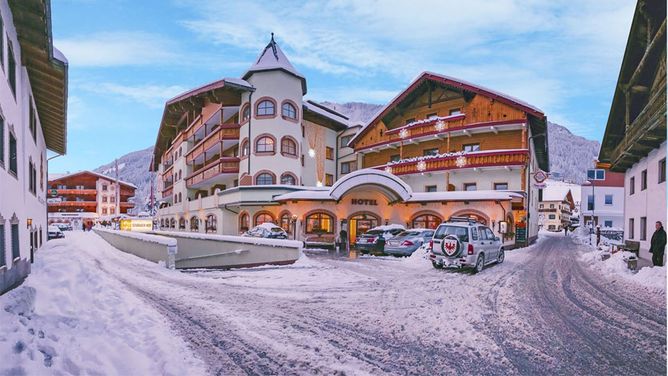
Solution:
(455, 161)
(76, 192)
(225, 165)
(168, 192)
(127, 204)
(69, 204)
(223, 132)
(167, 164)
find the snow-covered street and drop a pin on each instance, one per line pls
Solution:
(540, 312)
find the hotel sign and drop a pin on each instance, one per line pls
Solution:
(359, 201)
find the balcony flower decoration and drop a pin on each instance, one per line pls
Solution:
(388, 169)
(460, 161)
(440, 125)
(421, 166)
(403, 133)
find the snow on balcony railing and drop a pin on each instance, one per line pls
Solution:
(457, 160)
(224, 165)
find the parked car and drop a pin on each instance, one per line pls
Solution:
(406, 242)
(465, 243)
(54, 233)
(267, 230)
(373, 241)
(64, 226)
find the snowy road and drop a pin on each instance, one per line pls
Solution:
(540, 312)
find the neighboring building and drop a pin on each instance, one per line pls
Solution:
(635, 137)
(603, 199)
(86, 196)
(33, 114)
(239, 152)
(556, 208)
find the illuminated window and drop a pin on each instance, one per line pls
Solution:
(264, 144)
(319, 222)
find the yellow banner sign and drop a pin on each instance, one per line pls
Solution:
(137, 225)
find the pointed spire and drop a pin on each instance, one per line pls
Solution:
(267, 62)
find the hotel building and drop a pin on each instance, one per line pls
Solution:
(33, 114)
(239, 152)
(634, 142)
(556, 208)
(86, 196)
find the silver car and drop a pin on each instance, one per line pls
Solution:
(465, 243)
(406, 242)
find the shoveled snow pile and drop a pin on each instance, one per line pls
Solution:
(70, 317)
(616, 266)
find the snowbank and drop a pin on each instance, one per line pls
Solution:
(71, 317)
(615, 266)
(234, 239)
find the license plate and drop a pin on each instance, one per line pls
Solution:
(393, 242)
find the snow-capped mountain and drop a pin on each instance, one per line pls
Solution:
(570, 155)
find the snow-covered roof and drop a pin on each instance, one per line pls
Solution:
(54, 177)
(555, 192)
(307, 194)
(326, 112)
(273, 58)
(464, 196)
(391, 226)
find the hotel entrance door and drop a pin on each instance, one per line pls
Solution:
(360, 223)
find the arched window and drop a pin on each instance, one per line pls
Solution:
(288, 179)
(261, 218)
(182, 223)
(266, 108)
(172, 223)
(289, 111)
(264, 178)
(288, 147)
(285, 222)
(245, 148)
(264, 144)
(245, 113)
(244, 222)
(429, 221)
(319, 223)
(194, 223)
(211, 223)
(162, 222)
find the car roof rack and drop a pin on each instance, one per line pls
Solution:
(463, 219)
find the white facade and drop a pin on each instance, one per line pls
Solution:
(646, 205)
(608, 205)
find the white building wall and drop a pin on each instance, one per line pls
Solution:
(649, 203)
(484, 179)
(605, 212)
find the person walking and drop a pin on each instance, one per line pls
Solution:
(565, 230)
(658, 244)
(598, 234)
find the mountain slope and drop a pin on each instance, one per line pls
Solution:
(133, 168)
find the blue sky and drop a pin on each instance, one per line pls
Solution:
(127, 57)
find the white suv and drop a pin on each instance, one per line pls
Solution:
(465, 243)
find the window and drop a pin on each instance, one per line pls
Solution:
(319, 222)
(408, 121)
(426, 221)
(470, 186)
(104, 199)
(395, 158)
(3, 245)
(455, 111)
(264, 179)
(104, 211)
(345, 140)
(264, 144)
(285, 222)
(11, 68)
(632, 186)
(32, 119)
(2, 134)
(112, 210)
(432, 115)
(244, 222)
(552, 216)
(608, 199)
(500, 186)
(31, 178)
(2, 43)
(590, 202)
(211, 223)
(329, 153)
(347, 167)
(596, 174)
(112, 199)
(662, 164)
(542, 206)
(329, 180)
(631, 228)
(15, 241)
(551, 206)
(643, 228)
(600, 174)
(428, 152)
(430, 188)
(266, 108)
(244, 148)
(289, 111)
(643, 180)
(104, 187)
(288, 179)
(194, 224)
(245, 113)
(607, 223)
(471, 147)
(288, 147)
(540, 194)
(13, 155)
(263, 218)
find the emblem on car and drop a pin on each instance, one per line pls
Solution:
(450, 247)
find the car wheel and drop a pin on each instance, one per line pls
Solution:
(502, 256)
(479, 264)
(436, 265)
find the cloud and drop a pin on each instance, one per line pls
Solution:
(153, 96)
(110, 49)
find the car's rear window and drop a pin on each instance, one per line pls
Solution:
(373, 232)
(276, 229)
(461, 232)
(409, 233)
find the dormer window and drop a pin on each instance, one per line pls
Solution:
(289, 111)
(455, 111)
(266, 108)
(245, 113)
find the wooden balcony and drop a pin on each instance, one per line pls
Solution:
(127, 205)
(223, 132)
(497, 158)
(72, 204)
(168, 192)
(76, 192)
(225, 165)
